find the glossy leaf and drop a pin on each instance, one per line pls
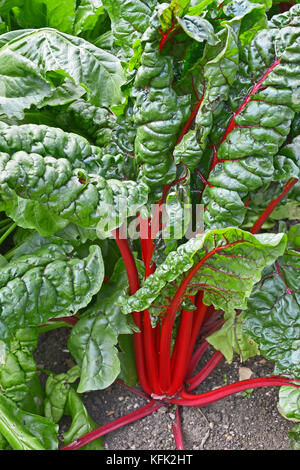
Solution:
(32, 61)
(18, 372)
(129, 21)
(93, 345)
(225, 264)
(71, 194)
(26, 431)
(57, 389)
(258, 121)
(94, 338)
(272, 318)
(50, 282)
(158, 112)
(82, 423)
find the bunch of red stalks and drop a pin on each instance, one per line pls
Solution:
(167, 378)
(166, 374)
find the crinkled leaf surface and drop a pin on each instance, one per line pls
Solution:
(31, 61)
(158, 112)
(61, 399)
(225, 264)
(129, 21)
(262, 106)
(49, 282)
(272, 318)
(18, 372)
(70, 194)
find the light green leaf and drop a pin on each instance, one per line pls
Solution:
(18, 373)
(87, 15)
(289, 402)
(26, 431)
(168, 13)
(231, 339)
(33, 62)
(42, 13)
(57, 390)
(82, 423)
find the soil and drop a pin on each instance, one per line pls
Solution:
(245, 421)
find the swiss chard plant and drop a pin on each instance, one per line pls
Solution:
(149, 198)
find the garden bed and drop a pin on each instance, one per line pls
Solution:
(240, 422)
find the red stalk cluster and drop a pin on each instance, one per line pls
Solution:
(166, 375)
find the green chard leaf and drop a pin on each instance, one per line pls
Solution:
(35, 63)
(129, 20)
(40, 13)
(48, 283)
(210, 79)
(26, 431)
(261, 107)
(82, 423)
(294, 435)
(87, 16)
(71, 194)
(158, 112)
(56, 390)
(61, 399)
(18, 373)
(231, 339)
(289, 402)
(272, 317)
(92, 343)
(94, 338)
(224, 263)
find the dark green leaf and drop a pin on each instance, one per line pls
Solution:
(49, 282)
(272, 318)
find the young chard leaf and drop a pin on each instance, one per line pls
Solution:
(92, 343)
(18, 372)
(26, 431)
(94, 338)
(61, 399)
